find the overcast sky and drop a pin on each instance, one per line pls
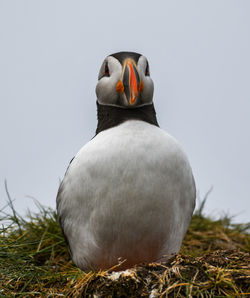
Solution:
(199, 55)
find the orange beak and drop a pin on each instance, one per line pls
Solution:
(130, 84)
(133, 82)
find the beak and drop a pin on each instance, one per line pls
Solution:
(131, 81)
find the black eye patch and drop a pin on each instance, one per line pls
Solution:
(106, 70)
(147, 70)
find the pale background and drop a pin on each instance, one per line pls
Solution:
(199, 54)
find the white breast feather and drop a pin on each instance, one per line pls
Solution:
(128, 193)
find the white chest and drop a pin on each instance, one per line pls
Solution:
(128, 187)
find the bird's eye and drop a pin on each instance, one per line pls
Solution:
(106, 70)
(147, 70)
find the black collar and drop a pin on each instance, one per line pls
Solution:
(110, 116)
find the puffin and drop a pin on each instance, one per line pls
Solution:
(128, 195)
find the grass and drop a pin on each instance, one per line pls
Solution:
(214, 261)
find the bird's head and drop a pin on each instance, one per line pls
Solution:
(124, 81)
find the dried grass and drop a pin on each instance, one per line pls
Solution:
(214, 261)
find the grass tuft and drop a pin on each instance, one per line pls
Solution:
(213, 262)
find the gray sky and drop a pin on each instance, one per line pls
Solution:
(199, 55)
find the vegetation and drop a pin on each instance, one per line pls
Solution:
(213, 262)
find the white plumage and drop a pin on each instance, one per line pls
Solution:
(129, 193)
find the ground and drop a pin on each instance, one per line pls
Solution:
(214, 261)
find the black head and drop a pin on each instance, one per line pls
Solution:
(122, 56)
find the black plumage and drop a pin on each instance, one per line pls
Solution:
(110, 116)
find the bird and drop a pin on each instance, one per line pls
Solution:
(129, 194)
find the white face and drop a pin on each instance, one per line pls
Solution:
(126, 85)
